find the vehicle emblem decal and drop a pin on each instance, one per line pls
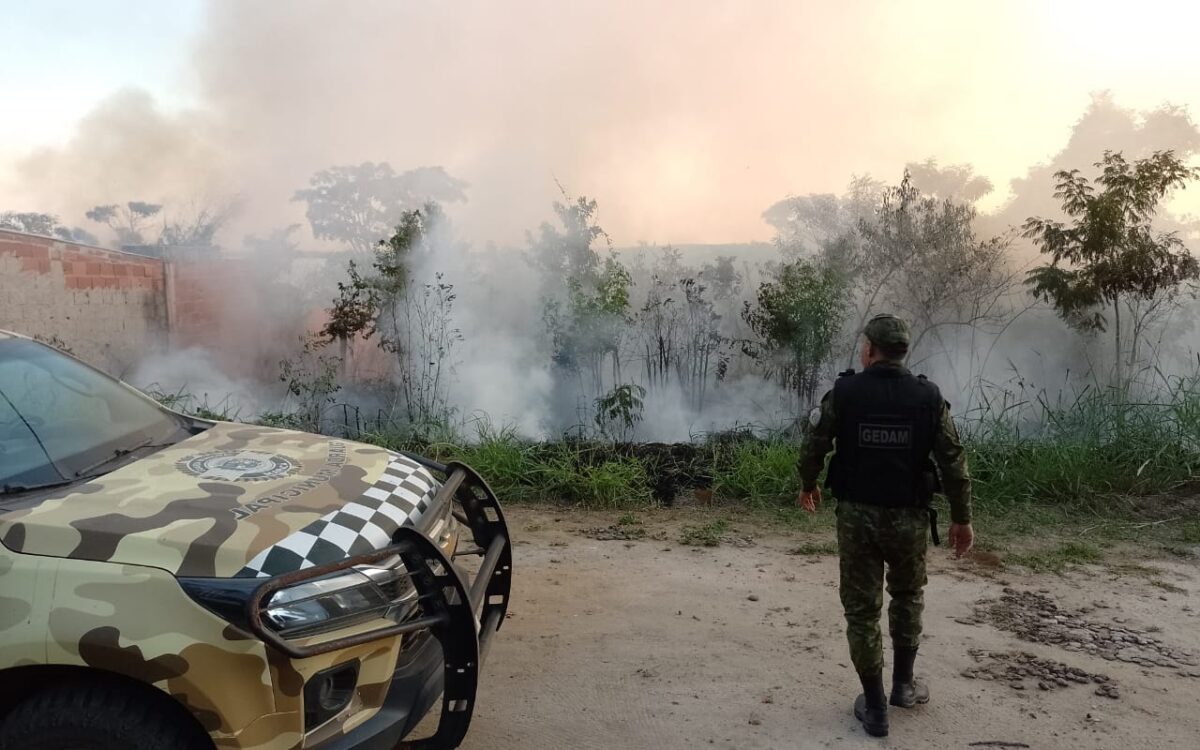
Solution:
(238, 466)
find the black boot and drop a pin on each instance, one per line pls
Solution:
(871, 707)
(906, 691)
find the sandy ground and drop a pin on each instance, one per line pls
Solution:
(650, 644)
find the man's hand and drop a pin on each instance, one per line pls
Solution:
(810, 500)
(962, 538)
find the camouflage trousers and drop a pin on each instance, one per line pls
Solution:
(870, 537)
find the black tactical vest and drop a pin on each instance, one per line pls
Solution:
(886, 423)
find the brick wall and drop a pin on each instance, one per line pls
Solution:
(108, 307)
(236, 311)
(113, 308)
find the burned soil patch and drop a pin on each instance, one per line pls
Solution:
(1020, 671)
(674, 468)
(1036, 618)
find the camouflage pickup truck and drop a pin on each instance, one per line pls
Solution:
(173, 583)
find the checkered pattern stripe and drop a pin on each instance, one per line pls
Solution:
(399, 497)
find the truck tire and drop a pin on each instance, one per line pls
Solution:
(98, 717)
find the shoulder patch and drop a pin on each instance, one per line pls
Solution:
(814, 416)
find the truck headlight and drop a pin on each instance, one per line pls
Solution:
(342, 599)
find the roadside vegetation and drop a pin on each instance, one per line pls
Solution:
(1100, 447)
(1057, 484)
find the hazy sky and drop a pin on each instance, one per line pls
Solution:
(685, 119)
(58, 59)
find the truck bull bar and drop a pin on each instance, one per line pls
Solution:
(461, 615)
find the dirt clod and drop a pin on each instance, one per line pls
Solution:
(1109, 690)
(1018, 667)
(1035, 617)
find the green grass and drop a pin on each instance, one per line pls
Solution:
(1089, 450)
(609, 483)
(704, 535)
(509, 465)
(1097, 464)
(756, 471)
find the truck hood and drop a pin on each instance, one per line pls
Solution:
(233, 501)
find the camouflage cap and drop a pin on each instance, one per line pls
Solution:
(887, 330)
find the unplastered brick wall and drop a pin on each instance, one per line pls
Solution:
(108, 307)
(228, 307)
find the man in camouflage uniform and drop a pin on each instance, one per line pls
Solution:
(888, 428)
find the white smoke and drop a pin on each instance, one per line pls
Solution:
(190, 380)
(639, 115)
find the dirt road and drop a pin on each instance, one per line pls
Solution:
(650, 644)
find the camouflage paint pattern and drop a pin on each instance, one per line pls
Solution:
(157, 511)
(24, 587)
(137, 622)
(871, 537)
(87, 576)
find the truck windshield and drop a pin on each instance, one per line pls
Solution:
(60, 420)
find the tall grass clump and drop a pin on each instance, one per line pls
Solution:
(1087, 448)
(756, 471)
(185, 402)
(568, 474)
(593, 475)
(508, 463)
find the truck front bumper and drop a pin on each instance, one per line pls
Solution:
(460, 614)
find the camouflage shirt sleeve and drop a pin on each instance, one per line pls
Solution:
(818, 442)
(952, 465)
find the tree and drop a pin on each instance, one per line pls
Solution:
(796, 319)
(804, 224)
(361, 204)
(128, 221)
(1108, 253)
(658, 322)
(46, 225)
(587, 327)
(619, 411)
(29, 223)
(568, 253)
(1104, 125)
(587, 295)
(197, 227)
(956, 182)
(704, 353)
(413, 318)
(918, 257)
(419, 331)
